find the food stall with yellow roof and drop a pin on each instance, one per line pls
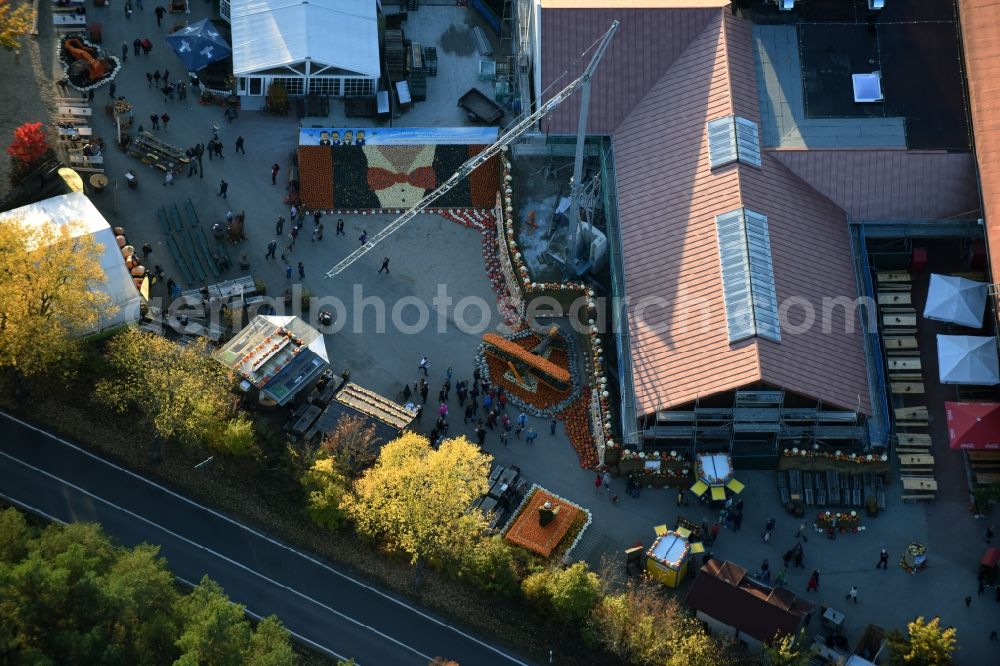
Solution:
(667, 558)
(715, 474)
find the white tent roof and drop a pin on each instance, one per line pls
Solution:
(273, 33)
(76, 207)
(956, 300)
(968, 359)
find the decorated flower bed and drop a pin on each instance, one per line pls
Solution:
(838, 520)
(392, 178)
(577, 424)
(86, 65)
(544, 400)
(316, 177)
(564, 526)
(815, 459)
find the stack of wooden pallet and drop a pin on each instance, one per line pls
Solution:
(985, 467)
(395, 55)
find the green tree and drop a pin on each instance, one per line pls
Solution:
(924, 644)
(571, 592)
(215, 630)
(417, 498)
(491, 564)
(326, 486)
(143, 596)
(642, 626)
(13, 536)
(182, 393)
(783, 652)
(49, 295)
(270, 644)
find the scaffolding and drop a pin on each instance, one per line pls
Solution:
(759, 416)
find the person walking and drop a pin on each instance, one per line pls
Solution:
(288, 271)
(111, 90)
(136, 46)
(166, 119)
(801, 533)
(166, 77)
(424, 365)
(968, 601)
(274, 173)
(480, 434)
(385, 265)
(168, 178)
(491, 419)
(531, 435)
(125, 50)
(363, 238)
(503, 438)
(340, 228)
(279, 226)
(715, 531)
(799, 556)
(159, 11)
(271, 247)
(443, 410)
(782, 578)
(813, 584)
(786, 558)
(424, 388)
(853, 594)
(598, 482)
(239, 145)
(737, 521)
(768, 528)
(883, 559)
(468, 413)
(815, 574)
(223, 188)
(319, 233)
(317, 216)
(147, 250)
(155, 120)
(294, 235)
(552, 426)
(315, 233)
(302, 271)
(989, 533)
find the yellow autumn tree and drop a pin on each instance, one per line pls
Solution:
(49, 294)
(184, 394)
(417, 498)
(15, 21)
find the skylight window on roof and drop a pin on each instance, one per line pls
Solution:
(747, 276)
(732, 139)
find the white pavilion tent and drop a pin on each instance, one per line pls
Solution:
(956, 300)
(118, 284)
(322, 47)
(968, 359)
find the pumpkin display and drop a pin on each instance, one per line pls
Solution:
(316, 177)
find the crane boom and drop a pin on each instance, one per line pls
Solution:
(505, 139)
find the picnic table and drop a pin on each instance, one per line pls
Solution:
(892, 276)
(918, 483)
(922, 459)
(899, 320)
(306, 419)
(893, 343)
(69, 20)
(907, 387)
(502, 483)
(911, 413)
(914, 439)
(893, 298)
(904, 363)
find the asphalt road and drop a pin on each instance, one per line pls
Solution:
(334, 611)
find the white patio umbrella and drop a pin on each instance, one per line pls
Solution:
(968, 359)
(956, 300)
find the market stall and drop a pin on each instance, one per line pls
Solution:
(667, 558)
(715, 474)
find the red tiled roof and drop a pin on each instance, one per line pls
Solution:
(668, 199)
(980, 21)
(646, 44)
(722, 591)
(890, 184)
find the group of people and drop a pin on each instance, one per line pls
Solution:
(480, 392)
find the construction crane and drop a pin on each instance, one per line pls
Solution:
(505, 139)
